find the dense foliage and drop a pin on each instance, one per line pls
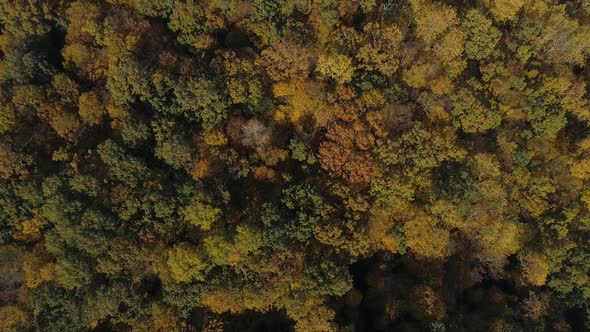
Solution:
(307, 165)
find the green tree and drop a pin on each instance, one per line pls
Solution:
(200, 98)
(188, 19)
(481, 36)
(471, 116)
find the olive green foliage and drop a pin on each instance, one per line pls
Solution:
(471, 116)
(481, 35)
(186, 263)
(201, 215)
(198, 98)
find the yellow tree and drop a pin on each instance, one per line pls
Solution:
(336, 67)
(90, 108)
(300, 99)
(13, 319)
(310, 314)
(38, 266)
(380, 49)
(437, 26)
(427, 239)
(201, 215)
(432, 20)
(505, 10)
(534, 267)
(186, 263)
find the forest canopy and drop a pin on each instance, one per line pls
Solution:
(294, 165)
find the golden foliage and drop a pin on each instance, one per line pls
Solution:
(90, 108)
(427, 239)
(433, 19)
(222, 300)
(300, 99)
(38, 266)
(505, 10)
(186, 263)
(534, 268)
(310, 315)
(336, 67)
(13, 318)
(31, 228)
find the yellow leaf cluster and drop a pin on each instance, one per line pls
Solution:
(534, 268)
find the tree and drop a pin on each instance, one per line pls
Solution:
(426, 239)
(13, 318)
(575, 102)
(345, 151)
(25, 17)
(157, 8)
(65, 89)
(437, 27)
(56, 309)
(547, 32)
(187, 263)
(85, 22)
(285, 61)
(7, 118)
(336, 67)
(534, 268)
(300, 99)
(123, 168)
(563, 40)
(328, 11)
(200, 98)
(432, 20)
(243, 84)
(65, 123)
(380, 51)
(471, 116)
(449, 49)
(134, 132)
(481, 35)
(13, 162)
(188, 19)
(308, 210)
(90, 62)
(172, 148)
(426, 304)
(505, 10)
(419, 150)
(255, 134)
(301, 152)
(497, 240)
(201, 215)
(310, 315)
(27, 63)
(90, 108)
